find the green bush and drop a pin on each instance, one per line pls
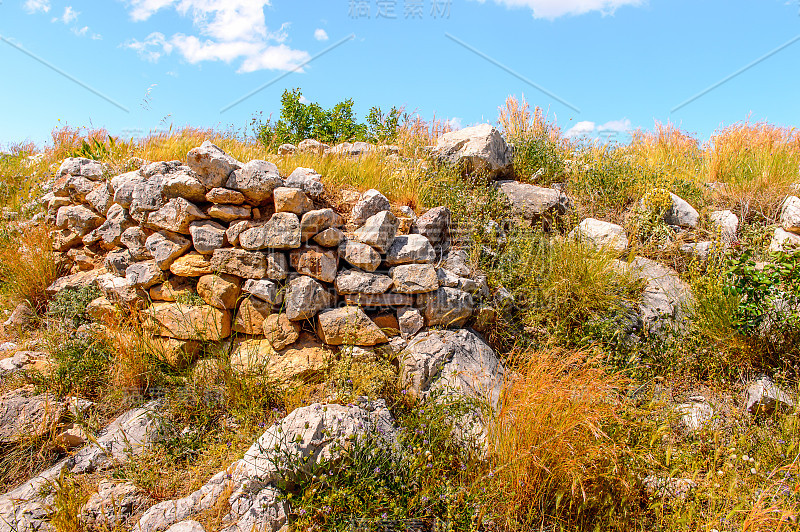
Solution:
(299, 121)
(69, 306)
(81, 368)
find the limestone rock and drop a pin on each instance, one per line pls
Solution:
(192, 264)
(478, 149)
(256, 180)
(212, 165)
(220, 291)
(224, 195)
(165, 247)
(435, 225)
(448, 307)
(681, 213)
(348, 325)
(245, 264)
(379, 300)
(79, 166)
(287, 149)
(292, 200)
(26, 415)
(185, 322)
(117, 262)
(764, 397)
(264, 289)
(307, 180)
(117, 222)
(144, 274)
(408, 249)
(251, 315)
(236, 229)
(135, 239)
(113, 504)
(666, 297)
(414, 278)
(360, 255)
(532, 203)
(305, 297)
(600, 234)
(100, 199)
(784, 241)
(280, 331)
(229, 213)
(183, 184)
(312, 146)
(123, 186)
(282, 231)
(378, 231)
(172, 289)
(78, 219)
(101, 309)
(65, 239)
(727, 223)
(790, 215)
(410, 321)
(176, 216)
(314, 222)
(359, 282)
(329, 238)
(319, 263)
(695, 414)
(371, 203)
(207, 236)
(455, 361)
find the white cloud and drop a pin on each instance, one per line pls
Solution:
(70, 15)
(608, 131)
(228, 30)
(580, 129)
(320, 34)
(152, 48)
(551, 9)
(35, 6)
(80, 32)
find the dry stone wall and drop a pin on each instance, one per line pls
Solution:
(215, 247)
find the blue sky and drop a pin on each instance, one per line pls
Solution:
(598, 67)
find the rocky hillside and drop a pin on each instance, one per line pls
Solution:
(214, 344)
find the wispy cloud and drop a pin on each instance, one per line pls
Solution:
(587, 128)
(37, 6)
(551, 9)
(227, 30)
(320, 34)
(70, 15)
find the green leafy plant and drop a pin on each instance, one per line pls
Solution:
(81, 368)
(769, 293)
(68, 307)
(94, 149)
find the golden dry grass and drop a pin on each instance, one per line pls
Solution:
(554, 460)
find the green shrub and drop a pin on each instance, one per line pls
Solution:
(69, 306)
(299, 121)
(81, 368)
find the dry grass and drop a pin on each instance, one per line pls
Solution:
(555, 460)
(27, 267)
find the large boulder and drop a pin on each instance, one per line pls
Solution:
(207, 236)
(532, 203)
(414, 278)
(452, 361)
(314, 222)
(681, 213)
(256, 180)
(665, 301)
(784, 241)
(303, 442)
(448, 307)
(245, 264)
(435, 224)
(790, 214)
(220, 290)
(600, 234)
(478, 149)
(371, 203)
(212, 165)
(78, 219)
(79, 166)
(765, 397)
(407, 249)
(282, 231)
(360, 255)
(24, 414)
(360, 282)
(307, 180)
(176, 215)
(726, 222)
(378, 231)
(165, 247)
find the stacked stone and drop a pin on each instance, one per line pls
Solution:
(263, 253)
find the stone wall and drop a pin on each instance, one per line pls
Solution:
(214, 247)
